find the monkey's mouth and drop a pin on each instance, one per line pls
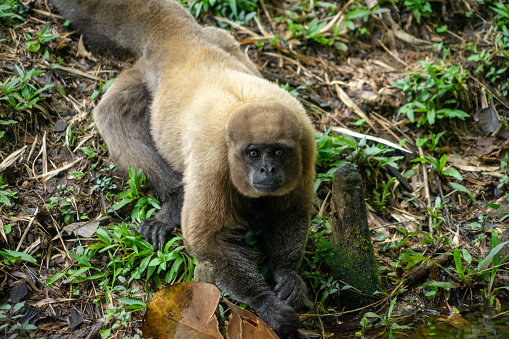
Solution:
(267, 188)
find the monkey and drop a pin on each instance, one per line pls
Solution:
(227, 151)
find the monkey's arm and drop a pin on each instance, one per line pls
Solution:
(283, 241)
(213, 235)
(122, 117)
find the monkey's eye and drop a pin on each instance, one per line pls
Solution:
(280, 153)
(254, 154)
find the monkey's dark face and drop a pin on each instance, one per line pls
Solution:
(268, 166)
(260, 169)
(264, 150)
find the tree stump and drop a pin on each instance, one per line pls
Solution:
(354, 261)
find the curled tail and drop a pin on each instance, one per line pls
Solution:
(128, 25)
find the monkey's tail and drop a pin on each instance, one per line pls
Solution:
(136, 26)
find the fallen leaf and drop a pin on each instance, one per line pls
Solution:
(457, 321)
(59, 126)
(243, 324)
(488, 119)
(184, 310)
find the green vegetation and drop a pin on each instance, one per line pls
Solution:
(239, 11)
(34, 43)
(19, 91)
(117, 270)
(5, 195)
(434, 94)
(144, 205)
(10, 10)
(9, 322)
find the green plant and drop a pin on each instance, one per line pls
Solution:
(496, 207)
(130, 259)
(11, 256)
(330, 146)
(358, 11)
(316, 265)
(10, 325)
(420, 8)
(240, 11)
(495, 60)
(379, 200)
(467, 275)
(102, 88)
(385, 320)
(433, 141)
(502, 16)
(34, 43)
(67, 212)
(10, 10)
(490, 265)
(434, 94)
(104, 182)
(144, 205)
(19, 92)
(505, 178)
(439, 166)
(5, 195)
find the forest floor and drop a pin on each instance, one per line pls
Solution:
(431, 77)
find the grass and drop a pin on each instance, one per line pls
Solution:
(122, 270)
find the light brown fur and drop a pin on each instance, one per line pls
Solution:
(185, 113)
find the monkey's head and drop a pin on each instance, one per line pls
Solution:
(264, 151)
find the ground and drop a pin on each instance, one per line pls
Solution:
(431, 77)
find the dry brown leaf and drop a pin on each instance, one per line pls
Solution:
(184, 310)
(243, 324)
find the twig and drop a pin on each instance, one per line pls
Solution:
(75, 71)
(349, 102)
(11, 158)
(322, 208)
(426, 185)
(46, 176)
(237, 26)
(26, 231)
(335, 18)
(262, 3)
(393, 55)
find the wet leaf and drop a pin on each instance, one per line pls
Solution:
(184, 310)
(488, 119)
(84, 229)
(457, 321)
(243, 324)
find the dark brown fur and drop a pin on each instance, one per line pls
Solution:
(185, 114)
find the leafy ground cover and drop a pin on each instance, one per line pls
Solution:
(431, 77)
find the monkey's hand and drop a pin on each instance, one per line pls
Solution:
(281, 318)
(291, 289)
(155, 231)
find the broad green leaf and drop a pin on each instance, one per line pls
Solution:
(463, 189)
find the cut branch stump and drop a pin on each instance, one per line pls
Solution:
(354, 261)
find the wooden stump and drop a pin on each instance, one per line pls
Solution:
(354, 261)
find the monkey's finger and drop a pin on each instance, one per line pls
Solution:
(283, 290)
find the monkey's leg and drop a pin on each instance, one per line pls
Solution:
(283, 241)
(122, 118)
(227, 42)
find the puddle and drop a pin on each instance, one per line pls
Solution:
(480, 321)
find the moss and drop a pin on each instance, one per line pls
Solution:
(354, 263)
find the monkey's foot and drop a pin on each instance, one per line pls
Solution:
(281, 318)
(291, 289)
(155, 231)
